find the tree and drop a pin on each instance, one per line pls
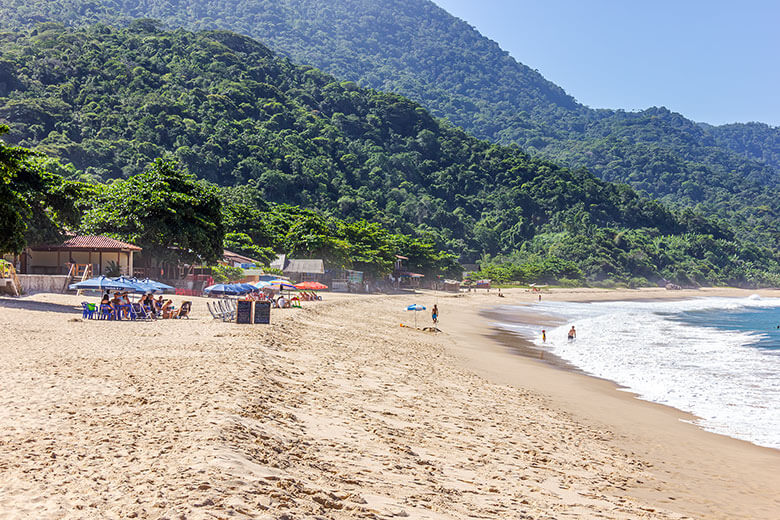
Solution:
(163, 210)
(35, 204)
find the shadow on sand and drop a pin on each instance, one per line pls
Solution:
(12, 303)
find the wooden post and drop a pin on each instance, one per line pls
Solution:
(100, 260)
(16, 283)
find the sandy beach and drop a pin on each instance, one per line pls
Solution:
(335, 411)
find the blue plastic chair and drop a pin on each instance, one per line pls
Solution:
(88, 310)
(106, 312)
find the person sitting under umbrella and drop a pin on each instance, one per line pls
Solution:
(147, 301)
(116, 304)
(167, 309)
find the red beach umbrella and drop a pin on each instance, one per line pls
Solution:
(311, 286)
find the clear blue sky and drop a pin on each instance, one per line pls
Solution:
(713, 61)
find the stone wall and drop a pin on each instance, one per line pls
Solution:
(34, 283)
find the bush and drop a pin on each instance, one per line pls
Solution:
(226, 273)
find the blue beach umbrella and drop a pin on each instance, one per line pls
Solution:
(416, 308)
(102, 283)
(241, 288)
(138, 287)
(221, 288)
(159, 285)
(248, 287)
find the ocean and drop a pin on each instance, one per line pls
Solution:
(717, 358)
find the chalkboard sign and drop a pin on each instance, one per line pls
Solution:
(243, 311)
(263, 312)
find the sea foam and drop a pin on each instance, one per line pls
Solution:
(717, 374)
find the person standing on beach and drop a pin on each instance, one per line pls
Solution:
(544, 336)
(435, 314)
(572, 334)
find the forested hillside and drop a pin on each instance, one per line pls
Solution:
(757, 141)
(417, 49)
(111, 101)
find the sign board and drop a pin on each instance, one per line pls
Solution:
(354, 277)
(262, 313)
(244, 311)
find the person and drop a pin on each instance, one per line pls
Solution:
(147, 302)
(540, 297)
(572, 334)
(544, 336)
(435, 314)
(126, 304)
(167, 309)
(282, 302)
(499, 293)
(105, 303)
(116, 303)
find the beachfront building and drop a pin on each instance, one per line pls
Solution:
(299, 269)
(401, 277)
(232, 259)
(100, 252)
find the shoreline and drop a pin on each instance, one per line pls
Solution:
(702, 466)
(522, 345)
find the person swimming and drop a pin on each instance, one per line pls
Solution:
(572, 333)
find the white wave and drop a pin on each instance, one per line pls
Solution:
(715, 374)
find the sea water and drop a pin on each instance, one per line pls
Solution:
(717, 358)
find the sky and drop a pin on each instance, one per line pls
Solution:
(712, 61)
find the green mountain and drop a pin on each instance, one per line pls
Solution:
(110, 101)
(415, 48)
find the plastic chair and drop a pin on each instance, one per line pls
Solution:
(87, 310)
(208, 306)
(149, 312)
(106, 312)
(138, 311)
(184, 310)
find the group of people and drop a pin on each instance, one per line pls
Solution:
(120, 305)
(281, 302)
(309, 296)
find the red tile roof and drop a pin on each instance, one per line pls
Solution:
(92, 242)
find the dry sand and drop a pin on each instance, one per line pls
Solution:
(334, 411)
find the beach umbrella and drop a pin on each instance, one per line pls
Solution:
(248, 287)
(102, 283)
(241, 288)
(138, 286)
(221, 288)
(283, 285)
(261, 284)
(416, 308)
(311, 286)
(159, 285)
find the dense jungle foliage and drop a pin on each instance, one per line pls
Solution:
(175, 217)
(417, 49)
(108, 102)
